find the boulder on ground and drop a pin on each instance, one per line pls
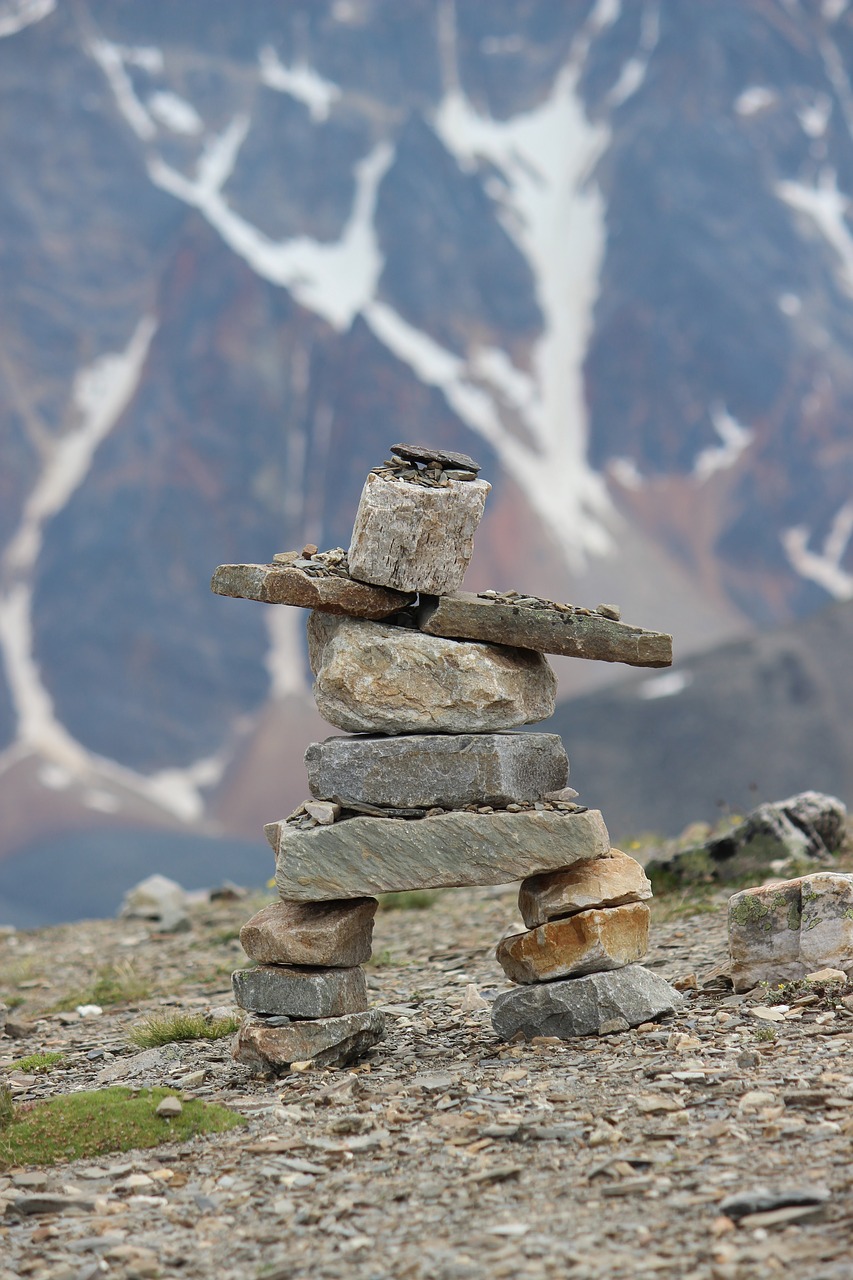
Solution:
(159, 900)
(786, 931)
(599, 1004)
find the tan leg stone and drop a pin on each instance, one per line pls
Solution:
(588, 942)
(609, 881)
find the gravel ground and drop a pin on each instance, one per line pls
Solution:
(446, 1154)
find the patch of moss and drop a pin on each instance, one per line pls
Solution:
(36, 1062)
(7, 1107)
(750, 910)
(81, 1125)
(170, 1028)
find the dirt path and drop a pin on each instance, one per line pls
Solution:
(447, 1154)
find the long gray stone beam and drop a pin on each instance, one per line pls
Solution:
(279, 584)
(571, 634)
(361, 857)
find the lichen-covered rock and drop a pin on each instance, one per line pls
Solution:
(435, 769)
(377, 678)
(327, 1042)
(609, 881)
(415, 539)
(329, 934)
(588, 942)
(782, 932)
(300, 993)
(598, 1004)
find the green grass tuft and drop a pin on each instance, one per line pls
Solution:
(77, 1126)
(408, 900)
(113, 984)
(7, 1107)
(36, 1062)
(169, 1028)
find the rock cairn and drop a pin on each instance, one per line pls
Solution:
(437, 789)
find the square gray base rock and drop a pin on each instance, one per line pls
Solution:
(598, 1004)
(300, 993)
(437, 769)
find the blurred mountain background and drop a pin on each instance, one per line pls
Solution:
(604, 247)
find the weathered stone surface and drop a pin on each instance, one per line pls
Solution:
(300, 993)
(438, 769)
(278, 584)
(609, 881)
(826, 928)
(328, 1042)
(594, 1005)
(415, 539)
(328, 934)
(426, 455)
(376, 678)
(563, 631)
(364, 856)
(809, 826)
(588, 942)
(161, 901)
(764, 934)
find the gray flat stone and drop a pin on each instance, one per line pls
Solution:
(361, 857)
(424, 770)
(327, 1042)
(281, 584)
(426, 454)
(567, 632)
(327, 934)
(588, 1006)
(300, 993)
(377, 678)
(415, 539)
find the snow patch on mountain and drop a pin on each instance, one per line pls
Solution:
(299, 81)
(175, 113)
(111, 59)
(825, 566)
(634, 71)
(334, 280)
(827, 207)
(665, 686)
(18, 14)
(735, 440)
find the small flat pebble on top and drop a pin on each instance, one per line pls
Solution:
(445, 457)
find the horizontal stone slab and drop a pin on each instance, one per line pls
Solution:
(425, 770)
(588, 942)
(329, 934)
(327, 1042)
(376, 678)
(361, 857)
(300, 993)
(610, 881)
(415, 539)
(280, 584)
(568, 632)
(598, 1004)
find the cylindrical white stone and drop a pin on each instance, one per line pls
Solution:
(413, 538)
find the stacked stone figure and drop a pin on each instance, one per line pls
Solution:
(432, 787)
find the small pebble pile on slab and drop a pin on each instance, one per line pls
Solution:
(437, 789)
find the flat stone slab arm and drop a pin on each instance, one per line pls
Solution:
(361, 857)
(280, 584)
(568, 632)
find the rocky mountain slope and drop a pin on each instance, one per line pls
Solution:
(603, 247)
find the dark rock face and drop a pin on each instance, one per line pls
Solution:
(607, 255)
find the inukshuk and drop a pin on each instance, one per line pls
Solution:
(433, 788)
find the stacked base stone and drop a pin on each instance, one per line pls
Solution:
(437, 790)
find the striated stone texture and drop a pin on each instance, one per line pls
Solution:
(562, 631)
(279, 584)
(375, 678)
(598, 1004)
(415, 539)
(300, 993)
(425, 770)
(326, 934)
(328, 1042)
(588, 942)
(609, 881)
(782, 932)
(363, 856)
